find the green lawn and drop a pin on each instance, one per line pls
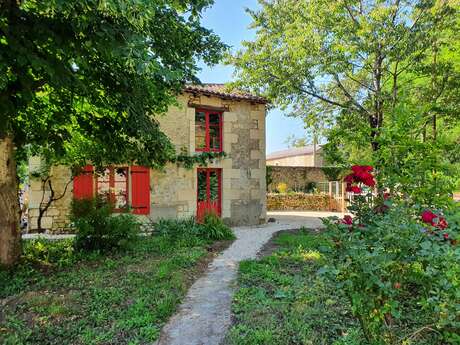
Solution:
(115, 299)
(282, 299)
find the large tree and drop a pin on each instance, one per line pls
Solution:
(83, 79)
(342, 61)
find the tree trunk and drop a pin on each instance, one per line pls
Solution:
(10, 237)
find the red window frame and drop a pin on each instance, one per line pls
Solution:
(208, 206)
(207, 147)
(112, 196)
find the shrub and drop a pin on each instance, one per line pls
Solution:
(47, 253)
(213, 228)
(310, 187)
(98, 229)
(179, 230)
(399, 273)
(282, 187)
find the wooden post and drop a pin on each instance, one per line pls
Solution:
(330, 196)
(343, 197)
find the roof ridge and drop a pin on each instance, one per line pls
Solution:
(215, 89)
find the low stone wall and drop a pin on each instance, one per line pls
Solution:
(296, 178)
(301, 201)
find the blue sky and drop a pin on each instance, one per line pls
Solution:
(228, 19)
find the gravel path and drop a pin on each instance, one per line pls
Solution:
(204, 316)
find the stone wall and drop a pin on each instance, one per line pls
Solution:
(301, 201)
(174, 189)
(296, 178)
(57, 216)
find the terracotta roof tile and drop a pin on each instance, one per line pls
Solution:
(220, 90)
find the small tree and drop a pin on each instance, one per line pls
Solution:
(81, 80)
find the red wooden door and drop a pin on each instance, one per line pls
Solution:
(209, 192)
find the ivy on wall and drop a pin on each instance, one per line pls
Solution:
(200, 159)
(268, 175)
(333, 173)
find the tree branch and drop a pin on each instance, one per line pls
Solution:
(314, 94)
(395, 84)
(350, 12)
(348, 95)
(42, 210)
(359, 82)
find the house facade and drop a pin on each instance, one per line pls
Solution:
(307, 156)
(207, 119)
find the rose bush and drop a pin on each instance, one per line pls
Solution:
(399, 265)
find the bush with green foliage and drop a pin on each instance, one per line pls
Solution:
(310, 187)
(211, 229)
(99, 229)
(178, 230)
(401, 274)
(49, 252)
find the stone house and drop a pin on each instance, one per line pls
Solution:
(307, 156)
(207, 118)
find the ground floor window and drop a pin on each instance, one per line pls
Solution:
(127, 187)
(113, 184)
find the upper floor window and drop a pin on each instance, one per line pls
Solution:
(208, 131)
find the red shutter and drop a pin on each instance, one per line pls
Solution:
(140, 190)
(83, 184)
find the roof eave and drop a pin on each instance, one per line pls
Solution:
(226, 96)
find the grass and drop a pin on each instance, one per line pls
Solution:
(121, 298)
(283, 300)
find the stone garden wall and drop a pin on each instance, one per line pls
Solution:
(301, 201)
(296, 178)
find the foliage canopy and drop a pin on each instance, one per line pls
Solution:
(82, 79)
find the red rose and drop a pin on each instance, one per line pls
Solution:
(363, 176)
(446, 236)
(428, 217)
(357, 168)
(370, 182)
(348, 178)
(442, 223)
(347, 220)
(386, 196)
(361, 168)
(356, 189)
